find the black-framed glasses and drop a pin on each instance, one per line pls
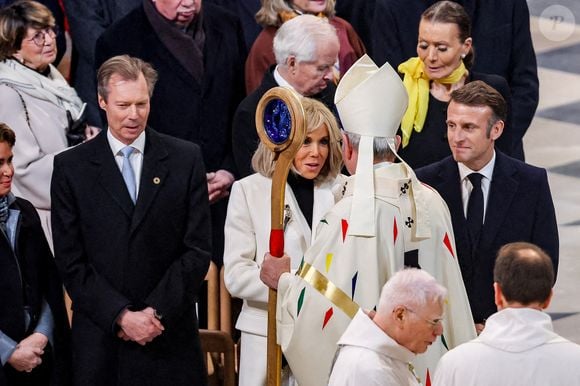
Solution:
(433, 322)
(39, 37)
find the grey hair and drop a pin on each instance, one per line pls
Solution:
(300, 37)
(410, 287)
(381, 149)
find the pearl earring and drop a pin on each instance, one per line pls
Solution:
(462, 56)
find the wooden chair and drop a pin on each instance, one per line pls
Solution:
(213, 297)
(219, 353)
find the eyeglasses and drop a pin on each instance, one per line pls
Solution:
(39, 37)
(433, 322)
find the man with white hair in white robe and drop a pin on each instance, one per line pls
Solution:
(377, 350)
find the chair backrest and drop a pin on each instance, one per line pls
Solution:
(219, 354)
(213, 297)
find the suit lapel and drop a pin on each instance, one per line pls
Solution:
(153, 176)
(109, 176)
(504, 186)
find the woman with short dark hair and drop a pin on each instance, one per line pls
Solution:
(36, 101)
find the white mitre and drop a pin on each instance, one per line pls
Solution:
(371, 102)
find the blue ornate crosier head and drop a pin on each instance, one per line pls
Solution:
(277, 121)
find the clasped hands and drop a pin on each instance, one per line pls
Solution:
(139, 326)
(28, 353)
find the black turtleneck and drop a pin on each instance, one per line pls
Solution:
(304, 192)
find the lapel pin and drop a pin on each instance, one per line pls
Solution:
(156, 180)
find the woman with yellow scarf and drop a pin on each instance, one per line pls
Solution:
(275, 12)
(445, 56)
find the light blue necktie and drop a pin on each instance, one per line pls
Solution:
(128, 173)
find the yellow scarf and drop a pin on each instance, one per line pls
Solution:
(416, 82)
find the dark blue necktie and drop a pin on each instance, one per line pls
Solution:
(475, 208)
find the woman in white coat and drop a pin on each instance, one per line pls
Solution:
(35, 100)
(308, 197)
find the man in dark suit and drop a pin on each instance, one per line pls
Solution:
(307, 71)
(34, 331)
(501, 39)
(131, 231)
(199, 52)
(493, 199)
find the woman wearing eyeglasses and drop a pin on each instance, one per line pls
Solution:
(36, 101)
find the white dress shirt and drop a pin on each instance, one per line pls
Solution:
(281, 81)
(136, 157)
(467, 187)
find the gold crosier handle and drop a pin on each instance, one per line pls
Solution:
(280, 126)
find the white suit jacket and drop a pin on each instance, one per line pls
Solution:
(247, 233)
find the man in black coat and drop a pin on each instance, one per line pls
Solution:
(515, 203)
(199, 54)
(307, 72)
(501, 39)
(34, 332)
(131, 231)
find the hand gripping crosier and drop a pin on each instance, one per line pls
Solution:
(280, 126)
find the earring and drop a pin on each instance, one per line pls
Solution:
(463, 56)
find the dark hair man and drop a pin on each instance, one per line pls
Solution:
(518, 345)
(493, 199)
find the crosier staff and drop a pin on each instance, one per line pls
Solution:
(280, 126)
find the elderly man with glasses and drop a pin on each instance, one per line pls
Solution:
(378, 350)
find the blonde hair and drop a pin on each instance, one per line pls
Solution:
(316, 114)
(15, 19)
(268, 14)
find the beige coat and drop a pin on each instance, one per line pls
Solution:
(35, 147)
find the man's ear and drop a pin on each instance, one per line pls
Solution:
(498, 296)
(399, 314)
(497, 129)
(291, 62)
(348, 148)
(102, 102)
(547, 302)
(397, 142)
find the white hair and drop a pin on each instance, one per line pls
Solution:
(300, 37)
(410, 287)
(381, 149)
